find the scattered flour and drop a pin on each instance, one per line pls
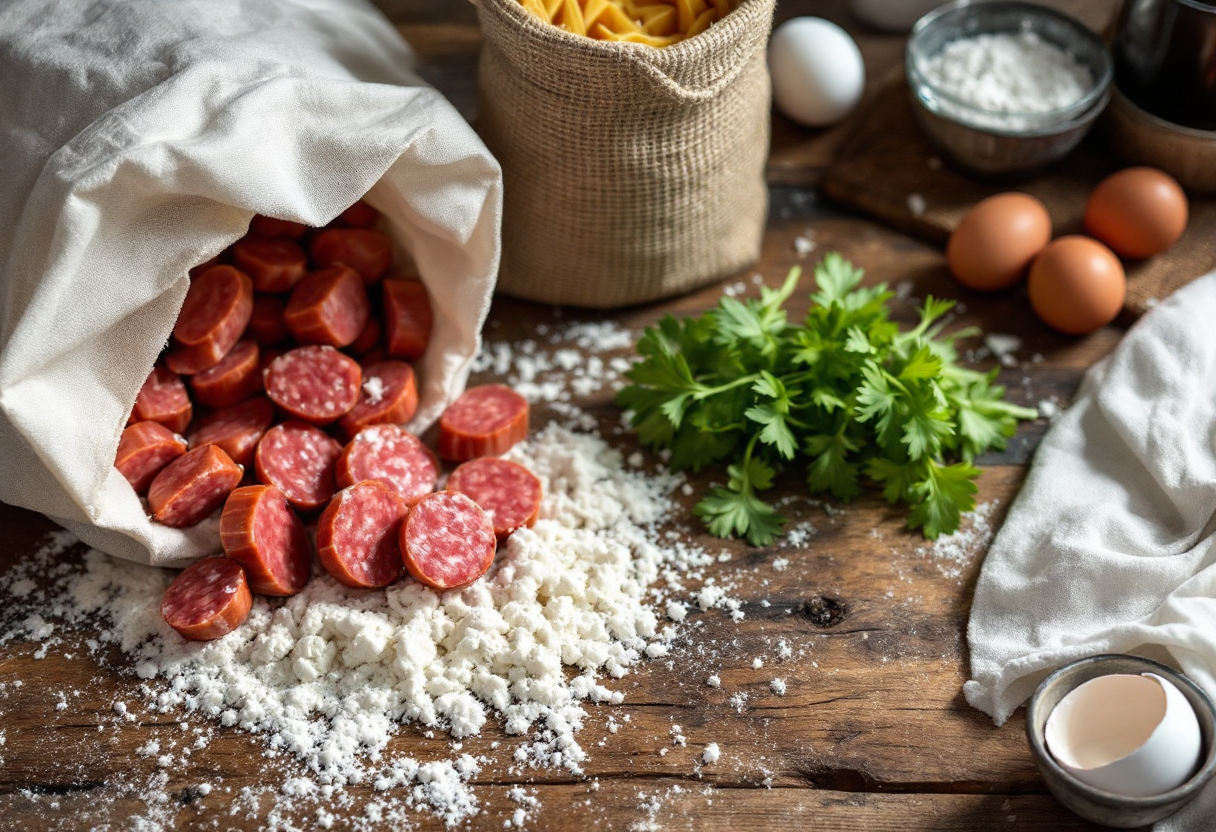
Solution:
(328, 676)
(953, 553)
(1003, 347)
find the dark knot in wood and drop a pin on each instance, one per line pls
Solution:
(825, 610)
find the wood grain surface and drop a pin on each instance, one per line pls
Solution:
(872, 733)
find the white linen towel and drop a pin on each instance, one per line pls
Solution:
(137, 139)
(1109, 546)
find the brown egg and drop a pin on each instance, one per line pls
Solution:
(1138, 212)
(1077, 285)
(994, 244)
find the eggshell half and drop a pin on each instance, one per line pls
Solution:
(1135, 736)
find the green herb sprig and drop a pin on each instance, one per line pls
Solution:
(845, 394)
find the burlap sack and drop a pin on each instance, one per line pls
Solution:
(630, 173)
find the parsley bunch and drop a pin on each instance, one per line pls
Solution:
(845, 395)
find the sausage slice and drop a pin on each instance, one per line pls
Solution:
(209, 599)
(447, 541)
(259, 531)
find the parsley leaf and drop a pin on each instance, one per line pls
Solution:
(736, 510)
(843, 394)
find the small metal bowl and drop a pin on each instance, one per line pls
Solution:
(1101, 806)
(993, 144)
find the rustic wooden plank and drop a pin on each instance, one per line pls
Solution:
(872, 719)
(662, 803)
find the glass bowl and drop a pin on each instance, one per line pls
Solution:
(990, 143)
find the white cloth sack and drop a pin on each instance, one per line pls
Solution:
(1109, 547)
(137, 139)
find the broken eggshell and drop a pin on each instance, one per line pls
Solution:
(1131, 735)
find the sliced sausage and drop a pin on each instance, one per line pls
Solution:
(144, 450)
(359, 215)
(274, 263)
(263, 226)
(389, 395)
(206, 264)
(298, 459)
(508, 492)
(266, 324)
(163, 399)
(192, 486)
(236, 429)
(367, 251)
(484, 421)
(369, 338)
(407, 319)
(359, 533)
(447, 541)
(237, 377)
(209, 599)
(215, 313)
(328, 307)
(259, 531)
(317, 384)
(391, 455)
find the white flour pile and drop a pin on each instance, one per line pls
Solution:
(1010, 76)
(328, 674)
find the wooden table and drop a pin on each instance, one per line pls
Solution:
(873, 732)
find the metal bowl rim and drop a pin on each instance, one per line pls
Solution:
(1182, 793)
(1071, 114)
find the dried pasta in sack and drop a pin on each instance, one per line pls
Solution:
(631, 171)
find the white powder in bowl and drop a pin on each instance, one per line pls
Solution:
(1008, 75)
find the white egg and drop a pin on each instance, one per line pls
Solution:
(818, 74)
(1135, 736)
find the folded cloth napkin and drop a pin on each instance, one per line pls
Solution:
(1109, 546)
(137, 139)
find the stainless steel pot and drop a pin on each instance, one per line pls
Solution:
(1165, 59)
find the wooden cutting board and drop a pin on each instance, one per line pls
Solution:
(888, 169)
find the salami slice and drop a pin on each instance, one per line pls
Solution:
(144, 450)
(358, 535)
(298, 459)
(317, 384)
(266, 324)
(236, 429)
(389, 395)
(259, 531)
(447, 541)
(508, 492)
(263, 226)
(215, 313)
(369, 338)
(328, 307)
(392, 456)
(192, 486)
(407, 319)
(237, 377)
(275, 264)
(206, 264)
(484, 421)
(163, 399)
(367, 251)
(359, 215)
(209, 599)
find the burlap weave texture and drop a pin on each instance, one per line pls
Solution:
(630, 173)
